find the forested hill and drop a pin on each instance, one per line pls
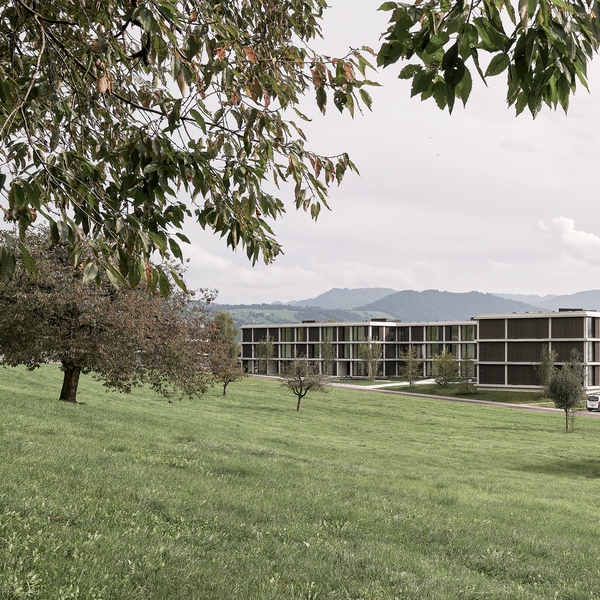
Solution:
(433, 305)
(345, 298)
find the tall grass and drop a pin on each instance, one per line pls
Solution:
(358, 496)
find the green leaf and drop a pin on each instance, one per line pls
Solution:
(498, 64)
(409, 71)
(388, 6)
(164, 286)
(28, 261)
(322, 99)
(7, 264)
(90, 271)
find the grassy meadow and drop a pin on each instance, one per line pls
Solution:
(358, 496)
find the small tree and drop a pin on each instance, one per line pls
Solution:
(224, 361)
(301, 377)
(467, 371)
(411, 369)
(546, 368)
(371, 353)
(445, 368)
(264, 352)
(329, 356)
(565, 388)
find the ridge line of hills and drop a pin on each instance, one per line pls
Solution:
(430, 305)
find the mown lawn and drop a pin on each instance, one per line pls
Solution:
(358, 496)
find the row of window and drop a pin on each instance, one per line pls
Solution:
(360, 333)
(347, 351)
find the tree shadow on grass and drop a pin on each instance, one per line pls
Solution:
(589, 468)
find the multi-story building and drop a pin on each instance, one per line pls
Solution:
(505, 348)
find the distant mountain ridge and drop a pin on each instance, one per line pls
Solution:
(345, 298)
(433, 305)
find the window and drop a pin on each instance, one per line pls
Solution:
(286, 351)
(359, 334)
(433, 334)
(590, 352)
(359, 369)
(287, 334)
(454, 333)
(328, 334)
(314, 351)
(467, 351)
(590, 376)
(590, 327)
(433, 349)
(344, 351)
(468, 333)
(301, 334)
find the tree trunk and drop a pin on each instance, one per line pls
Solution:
(300, 396)
(224, 389)
(70, 383)
(567, 417)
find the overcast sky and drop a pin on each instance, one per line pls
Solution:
(480, 200)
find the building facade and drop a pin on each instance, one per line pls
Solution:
(504, 348)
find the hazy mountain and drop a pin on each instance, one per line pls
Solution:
(432, 305)
(589, 300)
(345, 298)
(527, 298)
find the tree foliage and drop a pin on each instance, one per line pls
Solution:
(264, 352)
(113, 113)
(125, 337)
(224, 358)
(371, 353)
(543, 47)
(329, 356)
(565, 388)
(302, 376)
(445, 368)
(545, 369)
(410, 364)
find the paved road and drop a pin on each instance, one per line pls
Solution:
(380, 388)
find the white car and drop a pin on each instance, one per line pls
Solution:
(593, 403)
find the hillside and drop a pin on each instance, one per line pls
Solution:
(345, 298)
(433, 305)
(589, 300)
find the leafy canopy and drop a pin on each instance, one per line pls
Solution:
(126, 337)
(115, 113)
(543, 46)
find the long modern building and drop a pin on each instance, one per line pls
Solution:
(505, 347)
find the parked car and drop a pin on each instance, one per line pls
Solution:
(593, 402)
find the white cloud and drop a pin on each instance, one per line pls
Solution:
(499, 266)
(580, 245)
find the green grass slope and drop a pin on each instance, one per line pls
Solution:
(358, 496)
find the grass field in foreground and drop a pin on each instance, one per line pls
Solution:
(358, 496)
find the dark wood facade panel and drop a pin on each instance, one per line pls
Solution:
(274, 333)
(247, 335)
(519, 329)
(491, 329)
(491, 351)
(417, 334)
(522, 375)
(313, 334)
(567, 327)
(491, 375)
(260, 335)
(247, 351)
(524, 351)
(563, 350)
